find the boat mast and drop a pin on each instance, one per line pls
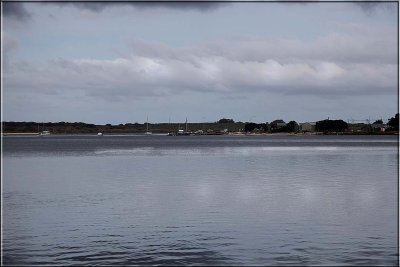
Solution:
(147, 124)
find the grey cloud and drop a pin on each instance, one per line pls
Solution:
(141, 76)
(95, 6)
(371, 7)
(362, 45)
(201, 6)
(100, 6)
(346, 64)
(15, 10)
(9, 43)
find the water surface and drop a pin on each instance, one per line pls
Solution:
(201, 200)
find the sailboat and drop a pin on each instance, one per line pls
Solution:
(182, 132)
(147, 127)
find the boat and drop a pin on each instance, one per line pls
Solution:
(147, 127)
(183, 132)
(99, 134)
(44, 132)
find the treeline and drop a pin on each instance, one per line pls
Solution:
(53, 127)
(280, 126)
(83, 128)
(222, 125)
(394, 123)
(331, 126)
(276, 126)
(323, 126)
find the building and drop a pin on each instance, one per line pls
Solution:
(307, 127)
(378, 127)
(359, 128)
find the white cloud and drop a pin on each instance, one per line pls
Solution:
(348, 63)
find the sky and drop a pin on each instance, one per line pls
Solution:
(123, 62)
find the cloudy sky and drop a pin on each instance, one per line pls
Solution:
(120, 62)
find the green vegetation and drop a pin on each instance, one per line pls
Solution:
(292, 127)
(249, 127)
(222, 126)
(223, 120)
(394, 123)
(83, 128)
(331, 126)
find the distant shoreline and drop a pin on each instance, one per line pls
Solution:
(229, 134)
(326, 127)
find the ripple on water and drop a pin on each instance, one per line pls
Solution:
(256, 201)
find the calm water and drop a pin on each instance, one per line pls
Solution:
(221, 200)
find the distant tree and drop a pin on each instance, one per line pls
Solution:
(292, 126)
(249, 127)
(277, 123)
(394, 122)
(223, 120)
(378, 122)
(265, 127)
(331, 126)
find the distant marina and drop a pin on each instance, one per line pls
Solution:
(222, 127)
